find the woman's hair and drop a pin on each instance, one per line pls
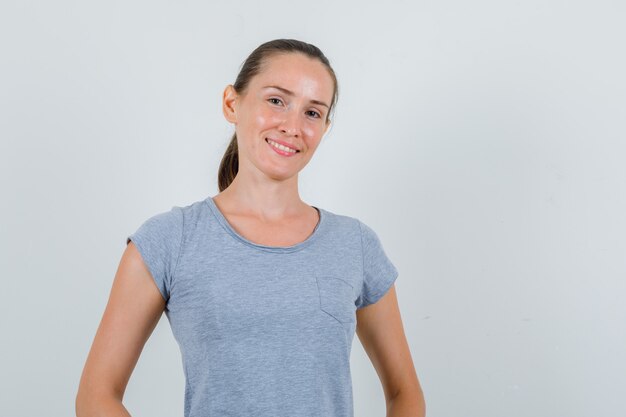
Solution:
(251, 67)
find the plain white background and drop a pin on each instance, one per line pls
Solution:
(483, 141)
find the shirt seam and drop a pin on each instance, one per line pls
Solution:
(363, 296)
(180, 246)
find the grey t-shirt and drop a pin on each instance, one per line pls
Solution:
(263, 331)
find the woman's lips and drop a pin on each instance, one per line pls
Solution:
(280, 151)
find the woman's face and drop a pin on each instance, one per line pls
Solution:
(286, 103)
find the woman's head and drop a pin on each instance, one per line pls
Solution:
(286, 90)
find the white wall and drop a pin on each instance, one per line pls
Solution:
(483, 141)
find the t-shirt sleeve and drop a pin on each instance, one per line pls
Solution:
(158, 240)
(379, 273)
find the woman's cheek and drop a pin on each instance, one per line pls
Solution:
(312, 131)
(265, 118)
(260, 120)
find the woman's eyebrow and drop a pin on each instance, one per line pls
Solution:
(290, 93)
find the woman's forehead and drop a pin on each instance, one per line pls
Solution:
(296, 73)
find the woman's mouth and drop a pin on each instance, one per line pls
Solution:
(281, 149)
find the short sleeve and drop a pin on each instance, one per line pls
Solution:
(158, 240)
(379, 273)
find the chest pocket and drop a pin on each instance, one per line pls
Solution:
(336, 298)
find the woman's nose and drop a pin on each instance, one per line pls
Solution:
(291, 123)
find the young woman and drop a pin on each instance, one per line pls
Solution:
(263, 292)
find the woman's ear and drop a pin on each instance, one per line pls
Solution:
(229, 99)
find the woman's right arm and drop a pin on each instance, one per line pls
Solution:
(132, 312)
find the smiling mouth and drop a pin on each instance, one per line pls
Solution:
(280, 146)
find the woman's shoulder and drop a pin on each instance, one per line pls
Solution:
(173, 218)
(341, 222)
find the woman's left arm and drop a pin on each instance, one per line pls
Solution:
(380, 330)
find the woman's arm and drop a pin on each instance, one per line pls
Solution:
(133, 310)
(380, 330)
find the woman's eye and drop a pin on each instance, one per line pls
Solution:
(274, 100)
(314, 113)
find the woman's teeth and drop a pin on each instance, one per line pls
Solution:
(281, 147)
